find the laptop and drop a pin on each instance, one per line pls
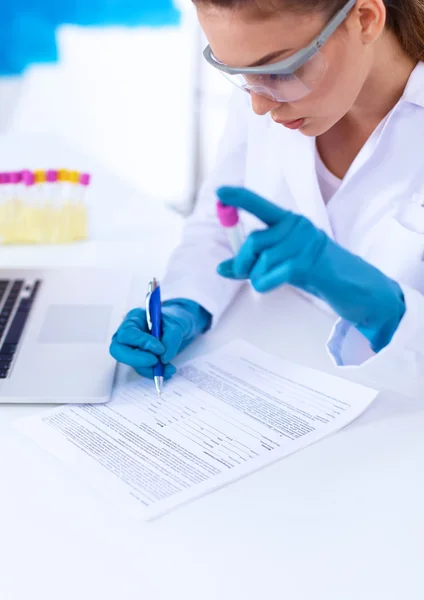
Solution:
(55, 331)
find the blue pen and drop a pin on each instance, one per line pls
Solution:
(154, 323)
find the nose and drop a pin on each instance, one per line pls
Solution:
(262, 105)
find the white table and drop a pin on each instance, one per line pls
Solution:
(341, 520)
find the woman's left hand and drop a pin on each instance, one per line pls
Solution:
(293, 251)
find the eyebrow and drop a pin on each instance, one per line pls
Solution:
(266, 59)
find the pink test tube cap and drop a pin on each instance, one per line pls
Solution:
(1, 178)
(227, 215)
(6, 177)
(28, 177)
(15, 177)
(85, 179)
(51, 176)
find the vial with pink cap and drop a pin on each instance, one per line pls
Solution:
(15, 179)
(7, 207)
(84, 180)
(3, 203)
(29, 192)
(28, 230)
(1, 196)
(16, 191)
(4, 188)
(229, 219)
(28, 180)
(7, 188)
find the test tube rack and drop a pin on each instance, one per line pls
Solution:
(43, 207)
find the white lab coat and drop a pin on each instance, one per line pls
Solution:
(279, 164)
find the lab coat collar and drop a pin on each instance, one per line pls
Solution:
(414, 90)
(296, 160)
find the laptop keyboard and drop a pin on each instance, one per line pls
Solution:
(16, 300)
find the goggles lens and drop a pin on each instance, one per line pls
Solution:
(283, 87)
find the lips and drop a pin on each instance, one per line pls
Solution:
(292, 124)
(288, 122)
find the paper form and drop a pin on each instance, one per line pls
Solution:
(222, 417)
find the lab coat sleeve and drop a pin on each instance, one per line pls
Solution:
(400, 365)
(191, 271)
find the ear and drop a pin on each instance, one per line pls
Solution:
(371, 18)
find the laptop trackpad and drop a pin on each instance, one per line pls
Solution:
(74, 324)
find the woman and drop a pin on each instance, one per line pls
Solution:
(333, 152)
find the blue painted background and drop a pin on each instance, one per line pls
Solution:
(28, 27)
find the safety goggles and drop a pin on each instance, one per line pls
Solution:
(290, 79)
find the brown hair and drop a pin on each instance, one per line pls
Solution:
(404, 17)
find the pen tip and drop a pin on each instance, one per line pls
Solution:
(158, 385)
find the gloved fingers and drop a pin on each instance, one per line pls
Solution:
(129, 334)
(274, 278)
(172, 340)
(169, 372)
(264, 263)
(302, 246)
(261, 242)
(293, 271)
(146, 372)
(263, 250)
(275, 256)
(138, 316)
(132, 356)
(225, 269)
(238, 197)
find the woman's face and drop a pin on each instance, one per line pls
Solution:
(244, 37)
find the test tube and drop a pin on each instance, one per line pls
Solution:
(40, 179)
(51, 186)
(72, 205)
(16, 200)
(2, 188)
(64, 186)
(8, 210)
(85, 180)
(51, 177)
(2, 207)
(63, 227)
(15, 179)
(74, 177)
(25, 221)
(7, 187)
(40, 223)
(48, 215)
(27, 178)
(229, 219)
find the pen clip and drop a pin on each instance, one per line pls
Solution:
(148, 316)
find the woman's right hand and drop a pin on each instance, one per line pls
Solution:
(133, 345)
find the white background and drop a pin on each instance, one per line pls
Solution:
(129, 98)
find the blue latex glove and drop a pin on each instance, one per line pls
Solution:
(293, 251)
(182, 322)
